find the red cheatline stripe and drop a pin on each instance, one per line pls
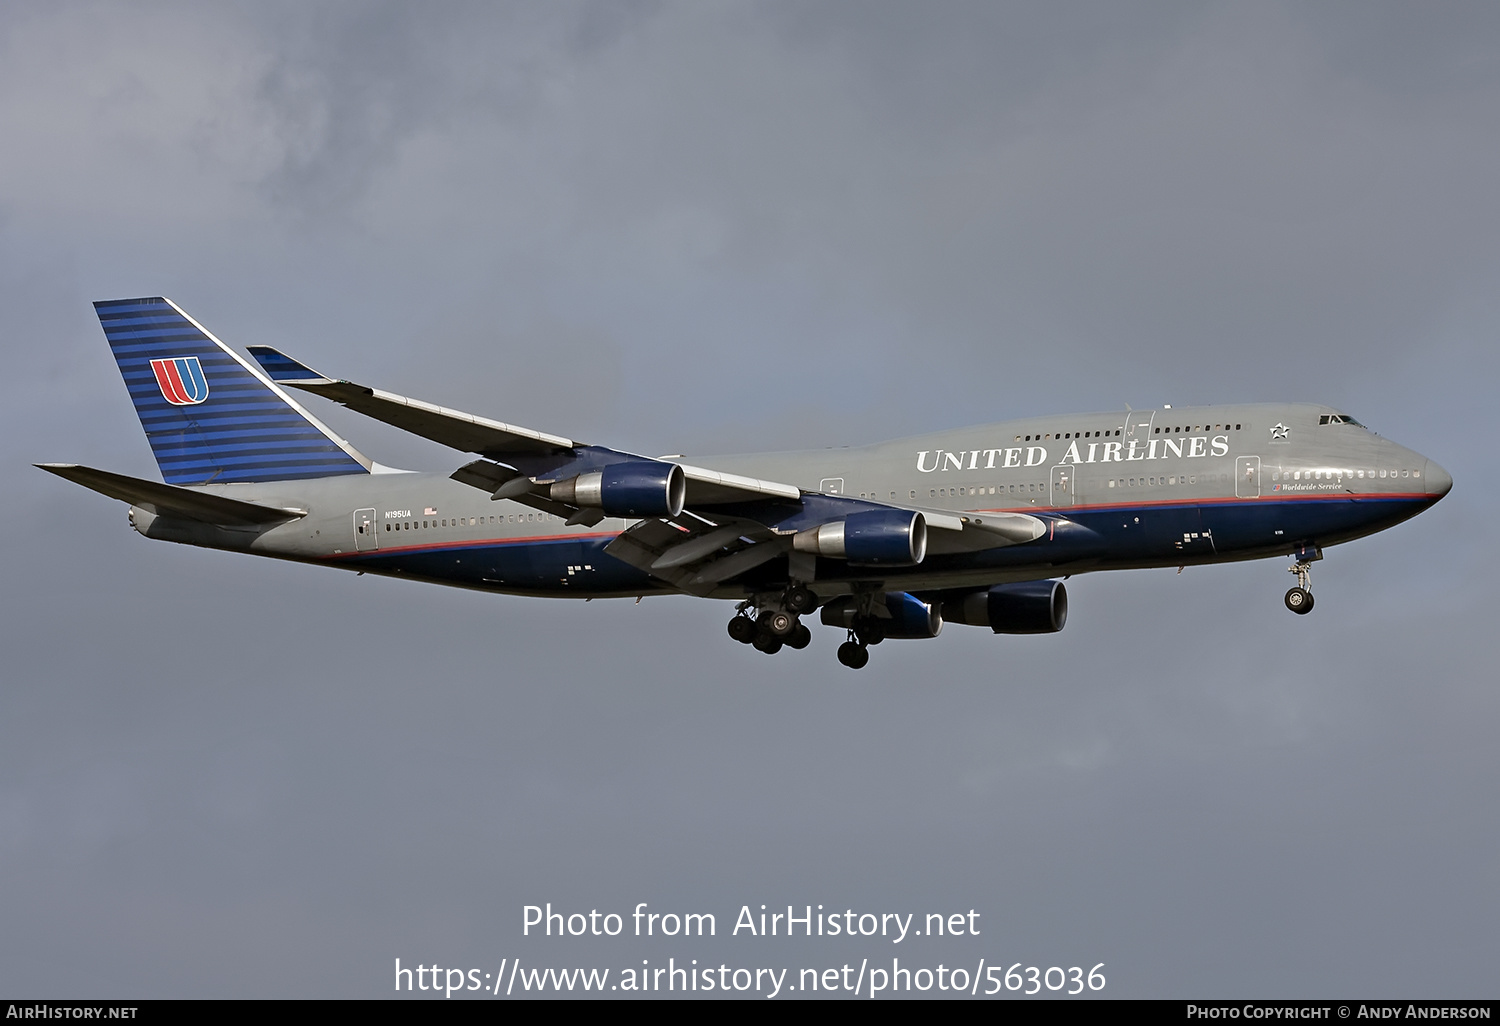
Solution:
(483, 543)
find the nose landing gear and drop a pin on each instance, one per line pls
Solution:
(1300, 599)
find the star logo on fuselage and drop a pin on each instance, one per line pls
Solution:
(1280, 432)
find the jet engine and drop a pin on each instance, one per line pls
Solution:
(877, 537)
(1029, 607)
(638, 488)
(910, 617)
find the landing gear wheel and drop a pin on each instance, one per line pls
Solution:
(1299, 600)
(870, 636)
(742, 629)
(801, 637)
(767, 643)
(853, 655)
(778, 623)
(800, 600)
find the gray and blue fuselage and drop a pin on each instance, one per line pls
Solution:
(1152, 488)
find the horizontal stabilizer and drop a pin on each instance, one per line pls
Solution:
(172, 500)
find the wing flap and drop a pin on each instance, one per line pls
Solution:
(173, 500)
(694, 553)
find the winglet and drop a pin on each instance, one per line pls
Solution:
(281, 367)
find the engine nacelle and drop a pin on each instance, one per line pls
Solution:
(1029, 607)
(639, 488)
(910, 617)
(877, 537)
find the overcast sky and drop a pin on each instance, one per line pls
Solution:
(704, 227)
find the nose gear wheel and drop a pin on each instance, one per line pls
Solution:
(1300, 599)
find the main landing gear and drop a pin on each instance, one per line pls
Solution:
(774, 629)
(1300, 599)
(855, 652)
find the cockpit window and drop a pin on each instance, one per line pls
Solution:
(1339, 418)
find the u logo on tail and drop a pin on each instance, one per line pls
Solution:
(181, 380)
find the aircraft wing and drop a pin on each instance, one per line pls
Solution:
(452, 428)
(742, 521)
(173, 500)
(492, 438)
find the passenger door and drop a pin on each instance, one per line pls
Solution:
(365, 537)
(1064, 484)
(1247, 477)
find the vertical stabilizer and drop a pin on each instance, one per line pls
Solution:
(211, 416)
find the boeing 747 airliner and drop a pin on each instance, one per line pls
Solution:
(892, 540)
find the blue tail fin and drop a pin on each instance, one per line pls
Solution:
(211, 416)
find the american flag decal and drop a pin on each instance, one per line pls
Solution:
(430, 511)
(181, 380)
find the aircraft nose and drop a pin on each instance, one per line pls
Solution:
(1438, 480)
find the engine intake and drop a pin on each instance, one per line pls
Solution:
(877, 537)
(639, 488)
(1029, 607)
